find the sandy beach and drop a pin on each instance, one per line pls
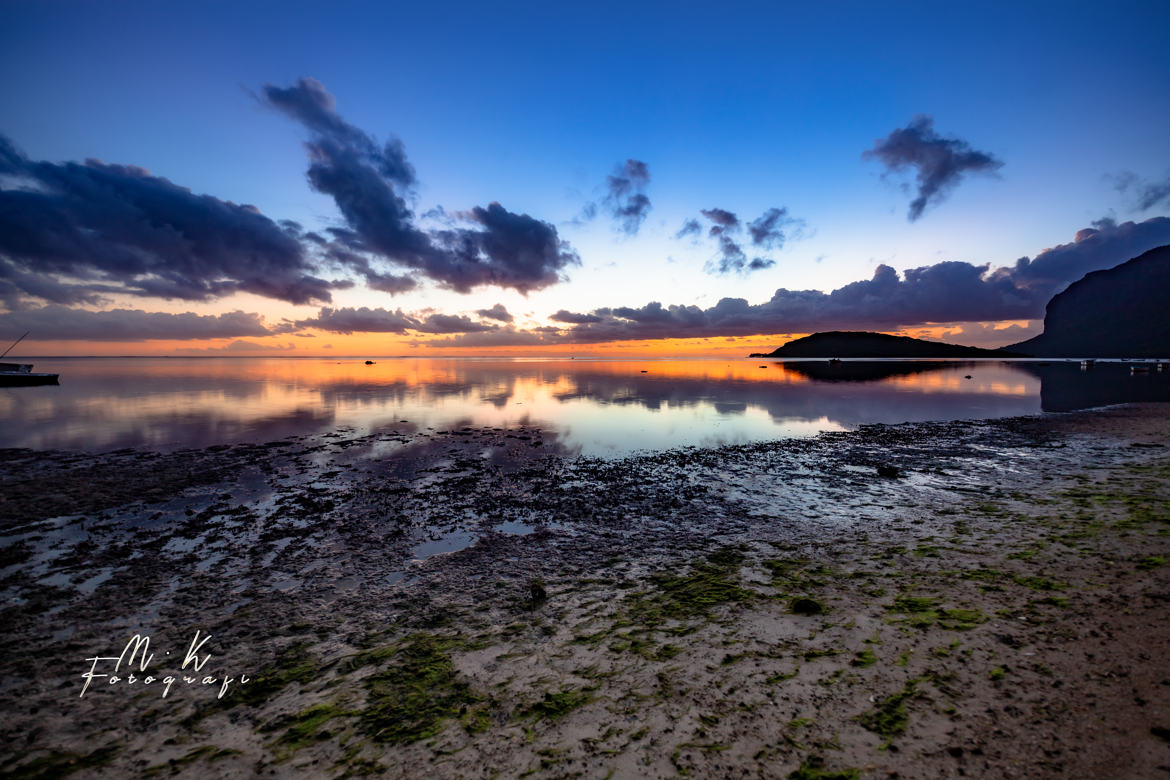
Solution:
(983, 598)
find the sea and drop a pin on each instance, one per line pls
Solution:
(594, 407)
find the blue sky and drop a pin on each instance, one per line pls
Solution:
(737, 106)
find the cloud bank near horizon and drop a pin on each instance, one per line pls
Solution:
(944, 293)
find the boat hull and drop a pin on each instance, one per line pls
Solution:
(22, 379)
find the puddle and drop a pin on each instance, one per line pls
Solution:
(448, 543)
(515, 528)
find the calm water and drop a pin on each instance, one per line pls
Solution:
(596, 407)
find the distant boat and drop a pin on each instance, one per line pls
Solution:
(20, 374)
(369, 362)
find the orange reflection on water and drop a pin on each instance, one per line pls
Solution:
(600, 404)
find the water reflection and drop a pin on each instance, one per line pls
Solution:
(595, 406)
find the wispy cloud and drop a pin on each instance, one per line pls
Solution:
(1144, 193)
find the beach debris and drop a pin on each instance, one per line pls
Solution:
(537, 595)
(806, 606)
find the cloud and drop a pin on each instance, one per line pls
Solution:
(1146, 194)
(940, 163)
(575, 319)
(497, 312)
(449, 323)
(766, 232)
(626, 198)
(945, 292)
(348, 320)
(724, 221)
(370, 184)
(1103, 245)
(690, 228)
(982, 334)
(55, 322)
(72, 232)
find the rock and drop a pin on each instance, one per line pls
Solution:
(806, 606)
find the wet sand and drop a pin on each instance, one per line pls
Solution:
(474, 603)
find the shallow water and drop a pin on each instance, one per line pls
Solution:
(594, 407)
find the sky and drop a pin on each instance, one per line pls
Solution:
(612, 178)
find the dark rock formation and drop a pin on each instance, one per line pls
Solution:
(1121, 312)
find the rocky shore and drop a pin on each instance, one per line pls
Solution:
(984, 598)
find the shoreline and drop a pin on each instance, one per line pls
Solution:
(999, 608)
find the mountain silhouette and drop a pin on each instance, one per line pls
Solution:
(864, 344)
(1119, 312)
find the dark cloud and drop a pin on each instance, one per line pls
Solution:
(1145, 194)
(940, 163)
(945, 292)
(364, 320)
(575, 319)
(71, 232)
(513, 250)
(450, 323)
(1103, 245)
(54, 322)
(626, 198)
(497, 312)
(723, 221)
(766, 232)
(370, 183)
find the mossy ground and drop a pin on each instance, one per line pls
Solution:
(833, 653)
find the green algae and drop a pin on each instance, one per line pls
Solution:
(557, 705)
(889, 718)
(923, 612)
(305, 728)
(415, 697)
(706, 585)
(814, 769)
(863, 659)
